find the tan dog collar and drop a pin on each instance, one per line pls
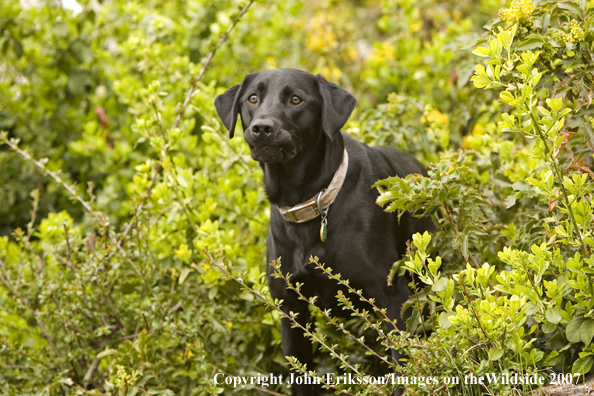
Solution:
(313, 207)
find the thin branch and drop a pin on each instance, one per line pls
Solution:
(180, 114)
(276, 306)
(68, 256)
(91, 371)
(325, 313)
(337, 277)
(470, 255)
(41, 165)
(473, 310)
(25, 355)
(557, 170)
(46, 335)
(128, 337)
(66, 262)
(419, 306)
(144, 198)
(5, 277)
(33, 215)
(209, 58)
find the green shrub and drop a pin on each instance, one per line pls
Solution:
(517, 208)
(113, 189)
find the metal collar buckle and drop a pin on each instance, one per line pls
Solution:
(307, 209)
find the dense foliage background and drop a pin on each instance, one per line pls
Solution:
(117, 175)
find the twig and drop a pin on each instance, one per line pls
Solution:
(33, 215)
(557, 171)
(470, 255)
(17, 367)
(209, 58)
(337, 277)
(66, 262)
(325, 313)
(5, 279)
(40, 165)
(276, 306)
(180, 114)
(68, 256)
(128, 337)
(92, 369)
(46, 334)
(419, 306)
(473, 311)
(25, 355)
(42, 190)
(139, 208)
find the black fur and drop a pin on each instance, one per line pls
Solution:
(299, 147)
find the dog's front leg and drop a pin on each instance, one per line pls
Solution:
(296, 344)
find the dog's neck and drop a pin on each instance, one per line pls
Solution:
(295, 181)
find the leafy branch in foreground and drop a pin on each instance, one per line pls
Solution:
(277, 306)
(521, 198)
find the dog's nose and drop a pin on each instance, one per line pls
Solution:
(262, 127)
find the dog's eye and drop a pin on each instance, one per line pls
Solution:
(296, 99)
(253, 98)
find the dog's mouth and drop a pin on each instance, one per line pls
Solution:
(276, 147)
(270, 153)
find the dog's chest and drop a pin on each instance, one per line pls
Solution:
(297, 244)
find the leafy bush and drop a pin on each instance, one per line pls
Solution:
(121, 193)
(525, 306)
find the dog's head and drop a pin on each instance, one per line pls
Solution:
(284, 112)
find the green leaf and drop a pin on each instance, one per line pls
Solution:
(555, 104)
(184, 274)
(483, 52)
(107, 352)
(181, 180)
(554, 315)
(510, 201)
(587, 331)
(548, 328)
(589, 134)
(552, 359)
(546, 20)
(76, 83)
(444, 321)
(480, 82)
(82, 52)
(495, 353)
(533, 41)
(18, 48)
(60, 29)
(474, 43)
(572, 333)
(506, 97)
(583, 365)
(440, 285)
(572, 7)
(465, 246)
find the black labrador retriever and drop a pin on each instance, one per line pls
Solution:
(318, 182)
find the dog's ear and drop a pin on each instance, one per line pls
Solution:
(337, 106)
(227, 104)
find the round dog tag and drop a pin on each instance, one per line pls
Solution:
(323, 232)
